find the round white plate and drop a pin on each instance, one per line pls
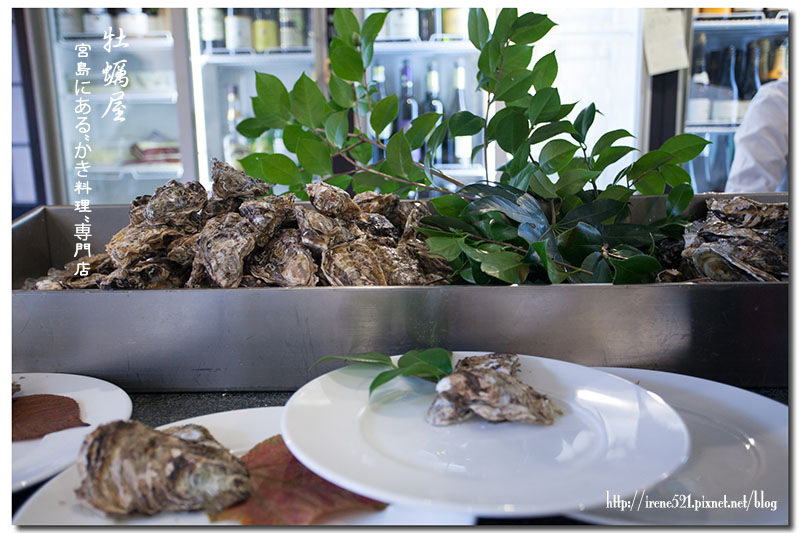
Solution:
(613, 436)
(99, 402)
(740, 449)
(240, 430)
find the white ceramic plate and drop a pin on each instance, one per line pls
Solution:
(740, 444)
(239, 431)
(613, 436)
(99, 402)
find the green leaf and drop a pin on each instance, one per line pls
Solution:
(362, 152)
(345, 23)
(278, 168)
(489, 58)
(540, 184)
(616, 192)
(307, 103)
(449, 224)
(341, 92)
(347, 64)
(637, 269)
(291, 134)
(449, 205)
(383, 113)
(367, 50)
(555, 273)
(504, 23)
(651, 182)
(383, 378)
(478, 27)
(314, 156)
(675, 175)
(514, 84)
(578, 242)
(599, 268)
(518, 56)
(369, 357)
(398, 155)
(437, 137)
(684, 147)
(497, 189)
(525, 209)
(552, 129)
(611, 155)
(427, 362)
(593, 213)
(366, 181)
(512, 131)
(491, 128)
(420, 128)
(273, 101)
(336, 127)
(648, 162)
(446, 247)
(556, 155)
(583, 121)
(678, 199)
(505, 265)
(530, 27)
(544, 104)
(464, 123)
(342, 181)
(572, 181)
(633, 234)
(607, 139)
(372, 26)
(563, 111)
(544, 71)
(251, 165)
(252, 128)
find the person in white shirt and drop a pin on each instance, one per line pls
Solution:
(761, 156)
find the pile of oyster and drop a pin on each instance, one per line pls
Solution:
(244, 237)
(739, 240)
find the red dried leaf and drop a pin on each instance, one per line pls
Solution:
(287, 493)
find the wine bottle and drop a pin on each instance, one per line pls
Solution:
(432, 103)
(409, 108)
(427, 23)
(698, 109)
(379, 77)
(725, 108)
(779, 63)
(238, 29)
(403, 23)
(234, 145)
(292, 24)
(459, 148)
(763, 59)
(750, 80)
(265, 29)
(212, 28)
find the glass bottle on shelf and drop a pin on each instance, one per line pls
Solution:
(427, 23)
(265, 29)
(698, 109)
(460, 147)
(763, 59)
(432, 103)
(454, 21)
(96, 20)
(238, 29)
(409, 108)
(133, 21)
(725, 107)
(212, 28)
(750, 80)
(234, 145)
(69, 20)
(292, 27)
(779, 63)
(263, 143)
(403, 23)
(379, 77)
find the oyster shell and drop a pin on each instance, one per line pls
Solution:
(319, 232)
(48, 284)
(136, 210)
(399, 267)
(231, 183)
(222, 247)
(378, 227)
(409, 214)
(96, 263)
(92, 281)
(152, 273)
(443, 412)
(133, 243)
(217, 206)
(174, 203)
(267, 215)
(437, 268)
(285, 262)
(332, 201)
(251, 281)
(382, 204)
(126, 467)
(497, 396)
(746, 213)
(182, 249)
(352, 263)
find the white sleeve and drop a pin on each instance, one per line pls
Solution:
(762, 141)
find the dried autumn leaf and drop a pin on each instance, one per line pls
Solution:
(287, 493)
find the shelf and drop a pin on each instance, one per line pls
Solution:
(710, 128)
(160, 40)
(459, 47)
(741, 22)
(133, 97)
(251, 58)
(138, 171)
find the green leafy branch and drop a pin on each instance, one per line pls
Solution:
(430, 364)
